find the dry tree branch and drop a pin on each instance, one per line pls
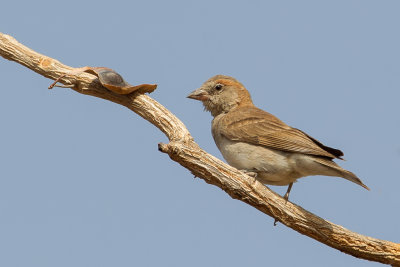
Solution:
(186, 152)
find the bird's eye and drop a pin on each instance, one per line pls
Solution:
(218, 87)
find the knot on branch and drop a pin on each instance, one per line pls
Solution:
(172, 149)
(163, 147)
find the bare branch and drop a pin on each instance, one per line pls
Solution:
(186, 152)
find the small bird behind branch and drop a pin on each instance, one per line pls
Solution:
(260, 144)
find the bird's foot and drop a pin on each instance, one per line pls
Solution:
(285, 197)
(250, 173)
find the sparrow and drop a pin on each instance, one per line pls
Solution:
(261, 145)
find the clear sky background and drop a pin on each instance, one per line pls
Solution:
(83, 184)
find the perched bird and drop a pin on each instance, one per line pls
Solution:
(260, 144)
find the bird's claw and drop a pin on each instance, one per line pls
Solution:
(250, 173)
(285, 197)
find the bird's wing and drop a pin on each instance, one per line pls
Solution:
(255, 126)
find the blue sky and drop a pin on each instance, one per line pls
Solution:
(83, 184)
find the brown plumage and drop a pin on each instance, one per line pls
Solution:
(255, 126)
(259, 143)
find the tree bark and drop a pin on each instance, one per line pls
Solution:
(182, 149)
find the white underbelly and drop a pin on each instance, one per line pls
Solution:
(272, 166)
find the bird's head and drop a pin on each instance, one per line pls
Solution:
(221, 94)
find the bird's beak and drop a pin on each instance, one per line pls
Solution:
(199, 94)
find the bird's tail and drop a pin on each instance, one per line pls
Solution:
(340, 171)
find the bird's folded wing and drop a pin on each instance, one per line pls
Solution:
(255, 126)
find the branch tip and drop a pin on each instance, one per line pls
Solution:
(163, 147)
